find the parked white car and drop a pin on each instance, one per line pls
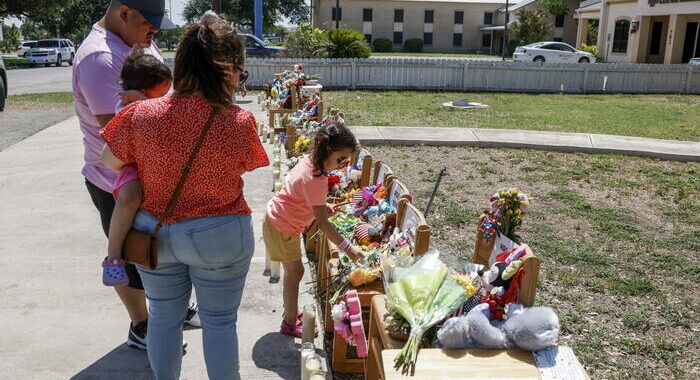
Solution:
(694, 61)
(551, 52)
(51, 51)
(24, 47)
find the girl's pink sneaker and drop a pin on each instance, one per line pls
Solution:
(288, 329)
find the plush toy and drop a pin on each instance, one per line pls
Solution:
(381, 192)
(499, 322)
(363, 200)
(531, 329)
(355, 176)
(384, 207)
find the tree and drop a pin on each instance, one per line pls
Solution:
(11, 36)
(555, 7)
(306, 42)
(75, 19)
(240, 12)
(20, 8)
(31, 30)
(592, 35)
(531, 26)
(346, 43)
(171, 37)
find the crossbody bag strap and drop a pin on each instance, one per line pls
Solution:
(185, 172)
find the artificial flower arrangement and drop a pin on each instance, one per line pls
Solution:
(508, 208)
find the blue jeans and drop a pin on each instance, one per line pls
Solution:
(212, 254)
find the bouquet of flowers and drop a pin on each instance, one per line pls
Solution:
(361, 272)
(302, 144)
(424, 295)
(508, 208)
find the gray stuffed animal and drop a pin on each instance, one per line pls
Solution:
(531, 329)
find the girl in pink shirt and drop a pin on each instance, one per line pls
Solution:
(294, 208)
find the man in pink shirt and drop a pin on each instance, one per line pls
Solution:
(96, 76)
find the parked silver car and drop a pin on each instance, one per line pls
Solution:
(51, 51)
(551, 52)
(24, 47)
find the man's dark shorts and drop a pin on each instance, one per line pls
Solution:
(104, 202)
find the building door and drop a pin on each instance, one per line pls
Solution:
(655, 39)
(690, 46)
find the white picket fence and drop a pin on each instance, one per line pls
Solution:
(475, 75)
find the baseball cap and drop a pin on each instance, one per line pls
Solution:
(151, 10)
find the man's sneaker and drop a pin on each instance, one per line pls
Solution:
(137, 336)
(192, 317)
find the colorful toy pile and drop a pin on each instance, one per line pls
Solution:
(485, 304)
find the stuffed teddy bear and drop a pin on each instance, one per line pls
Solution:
(531, 329)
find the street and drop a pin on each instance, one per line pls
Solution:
(39, 80)
(46, 79)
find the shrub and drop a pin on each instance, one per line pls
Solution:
(306, 42)
(413, 45)
(382, 45)
(346, 43)
(593, 49)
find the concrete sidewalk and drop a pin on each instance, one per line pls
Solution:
(514, 138)
(58, 320)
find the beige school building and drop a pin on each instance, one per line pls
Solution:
(444, 26)
(642, 31)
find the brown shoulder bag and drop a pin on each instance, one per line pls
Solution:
(141, 248)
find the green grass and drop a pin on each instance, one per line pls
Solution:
(446, 55)
(674, 117)
(619, 240)
(51, 100)
(15, 61)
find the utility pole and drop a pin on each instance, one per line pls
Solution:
(337, 14)
(505, 33)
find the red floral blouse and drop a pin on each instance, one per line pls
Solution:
(159, 135)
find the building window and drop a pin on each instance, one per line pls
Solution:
(427, 38)
(398, 38)
(559, 21)
(622, 33)
(367, 14)
(457, 39)
(368, 38)
(488, 18)
(486, 40)
(558, 39)
(336, 11)
(429, 17)
(398, 15)
(459, 17)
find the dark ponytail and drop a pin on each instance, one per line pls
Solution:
(328, 139)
